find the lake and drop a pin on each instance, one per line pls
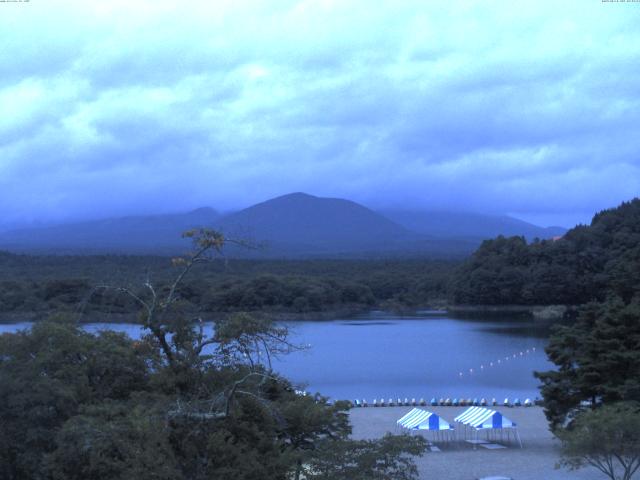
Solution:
(421, 355)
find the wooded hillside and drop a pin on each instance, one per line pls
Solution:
(587, 263)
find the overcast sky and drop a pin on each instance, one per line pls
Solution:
(123, 107)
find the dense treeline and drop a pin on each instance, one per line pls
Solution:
(43, 284)
(589, 263)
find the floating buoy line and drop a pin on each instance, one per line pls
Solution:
(498, 362)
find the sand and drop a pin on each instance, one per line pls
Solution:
(460, 461)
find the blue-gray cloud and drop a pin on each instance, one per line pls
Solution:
(530, 108)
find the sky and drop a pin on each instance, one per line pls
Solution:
(114, 108)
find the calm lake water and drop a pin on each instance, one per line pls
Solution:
(422, 355)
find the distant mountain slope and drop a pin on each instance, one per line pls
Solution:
(134, 234)
(294, 225)
(470, 225)
(316, 225)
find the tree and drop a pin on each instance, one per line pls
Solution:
(607, 438)
(47, 375)
(178, 404)
(310, 420)
(114, 440)
(179, 343)
(384, 459)
(598, 360)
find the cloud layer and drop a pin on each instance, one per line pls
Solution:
(111, 108)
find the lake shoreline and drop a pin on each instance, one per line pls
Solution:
(537, 312)
(7, 318)
(492, 312)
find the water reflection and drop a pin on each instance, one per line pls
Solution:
(418, 356)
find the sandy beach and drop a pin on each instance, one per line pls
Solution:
(460, 461)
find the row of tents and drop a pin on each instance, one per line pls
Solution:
(473, 421)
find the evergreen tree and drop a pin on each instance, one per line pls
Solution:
(597, 359)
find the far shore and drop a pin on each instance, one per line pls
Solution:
(537, 312)
(460, 461)
(101, 317)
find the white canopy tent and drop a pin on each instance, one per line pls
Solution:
(423, 420)
(480, 419)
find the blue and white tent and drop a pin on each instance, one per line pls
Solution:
(419, 419)
(484, 419)
(422, 420)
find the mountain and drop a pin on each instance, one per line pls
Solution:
(469, 225)
(293, 225)
(302, 223)
(156, 234)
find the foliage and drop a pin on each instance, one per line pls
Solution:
(99, 444)
(597, 359)
(176, 405)
(607, 438)
(46, 376)
(386, 459)
(587, 264)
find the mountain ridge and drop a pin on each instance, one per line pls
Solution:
(441, 223)
(292, 225)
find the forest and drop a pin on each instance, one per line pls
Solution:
(36, 286)
(589, 263)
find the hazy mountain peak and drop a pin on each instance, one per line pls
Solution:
(203, 211)
(295, 196)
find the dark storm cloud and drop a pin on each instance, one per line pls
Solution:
(528, 108)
